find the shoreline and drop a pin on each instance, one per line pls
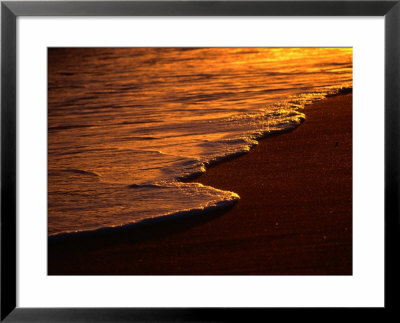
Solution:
(294, 217)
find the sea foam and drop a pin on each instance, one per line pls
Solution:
(124, 132)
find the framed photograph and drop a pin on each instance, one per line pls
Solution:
(198, 160)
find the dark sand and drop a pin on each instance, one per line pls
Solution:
(294, 216)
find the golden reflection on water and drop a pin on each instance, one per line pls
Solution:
(143, 115)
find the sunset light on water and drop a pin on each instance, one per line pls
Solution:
(127, 125)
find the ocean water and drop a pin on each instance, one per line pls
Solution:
(126, 125)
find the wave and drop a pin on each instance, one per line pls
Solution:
(146, 185)
(225, 199)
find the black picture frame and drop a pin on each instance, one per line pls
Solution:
(10, 10)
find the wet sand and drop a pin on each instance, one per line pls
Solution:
(294, 216)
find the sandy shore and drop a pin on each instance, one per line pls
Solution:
(294, 216)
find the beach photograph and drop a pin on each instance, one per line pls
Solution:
(200, 161)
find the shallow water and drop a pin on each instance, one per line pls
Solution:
(125, 125)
